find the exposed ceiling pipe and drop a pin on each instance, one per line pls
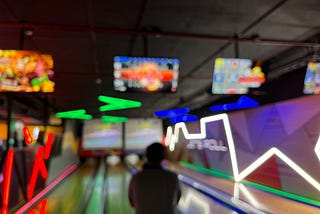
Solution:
(76, 28)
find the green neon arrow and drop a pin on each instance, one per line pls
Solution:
(74, 114)
(113, 119)
(117, 103)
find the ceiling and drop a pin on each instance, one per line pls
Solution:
(83, 37)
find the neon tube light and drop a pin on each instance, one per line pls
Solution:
(7, 181)
(27, 135)
(317, 148)
(243, 102)
(117, 103)
(183, 118)
(30, 203)
(258, 186)
(39, 165)
(113, 119)
(74, 114)
(173, 137)
(171, 112)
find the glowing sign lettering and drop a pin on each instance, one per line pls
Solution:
(173, 137)
(211, 144)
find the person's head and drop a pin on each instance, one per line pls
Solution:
(155, 152)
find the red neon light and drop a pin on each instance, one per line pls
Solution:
(7, 181)
(27, 205)
(39, 165)
(47, 148)
(43, 206)
(27, 135)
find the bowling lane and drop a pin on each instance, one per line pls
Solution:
(67, 197)
(118, 178)
(192, 201)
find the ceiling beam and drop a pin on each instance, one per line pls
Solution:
(78, 28)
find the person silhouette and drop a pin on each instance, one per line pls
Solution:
(154, 190)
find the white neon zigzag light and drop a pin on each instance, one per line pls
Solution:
(317, 148)
(173, 137)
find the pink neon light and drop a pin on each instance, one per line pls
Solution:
(7, 181)
(43, 205)
(25, 207)
(27, 135)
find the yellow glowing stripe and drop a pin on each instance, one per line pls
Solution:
(173, 137)
(317, 148)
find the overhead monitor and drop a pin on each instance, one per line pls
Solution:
(145, 74)
(98, 135)
(25, 71)
(312, 79)
(236, 76)
(139, 133)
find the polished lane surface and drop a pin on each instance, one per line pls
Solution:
(68, 197)
(69, 194)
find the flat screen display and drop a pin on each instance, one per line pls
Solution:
(139, 133)
(26, 71)
(97, 135)
(144, 74)
(312, 79)
(236, 76)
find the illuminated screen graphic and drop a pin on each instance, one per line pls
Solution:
(139, 133)
(236, 76)
(312, 79)
(25, 71)
(145, 74)
(98, 135)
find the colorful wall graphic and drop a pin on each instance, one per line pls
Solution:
(274, 145)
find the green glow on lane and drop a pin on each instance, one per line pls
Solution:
(117, 103)
(206, 170)
(283, 193)
(74, 114)
(249, 183)
(113, 119)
